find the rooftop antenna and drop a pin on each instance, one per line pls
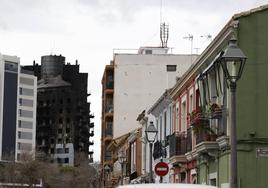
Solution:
(190, 37)
(164, 29)
(164, 33)
(196, 50)
(208, 37)
(161, 5)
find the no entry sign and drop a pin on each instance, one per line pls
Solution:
(161, 169)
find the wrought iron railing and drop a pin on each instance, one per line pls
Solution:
(178, 144)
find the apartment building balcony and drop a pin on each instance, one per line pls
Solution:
(206, 142)
(108, 158)
(108, 77)
(158, 150)
(91, 143)
(108, 113)
(109, 108)
(91, 125)
(215, 111)
(189, 140)
(108, 132)
(178, 148)
(91, 134)
(109, 89)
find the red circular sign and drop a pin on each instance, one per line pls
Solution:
(161, 169)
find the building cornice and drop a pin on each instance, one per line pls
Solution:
(212, 49)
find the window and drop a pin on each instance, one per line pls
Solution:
(26, 81)
(170, 120)
(60, 150)
(148, 51)
(26, 91)
(183, 177)
(25, 124)
(165, 125)
(18, 156)
(213, 182)
(25, 113)
(161, 128)
(25, 135)
(60, 120)
(158, 128)
(171, 68)
(184, 116)
(212, 86)
(66, 160)
(24, 146)
(26, 102)
(133, 157)
(52, 150)
(11, 66)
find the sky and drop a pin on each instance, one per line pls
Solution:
(92, 30)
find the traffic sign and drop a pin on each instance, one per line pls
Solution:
(161, 169)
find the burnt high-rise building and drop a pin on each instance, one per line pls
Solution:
(64, 126)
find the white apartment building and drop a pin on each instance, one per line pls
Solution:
(18, 93)
(139, 80)
(64, 154)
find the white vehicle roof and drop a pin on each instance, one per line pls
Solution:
(166, 185)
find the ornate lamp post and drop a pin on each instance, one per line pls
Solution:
(232, 62)
(151, 133)
(122, 160)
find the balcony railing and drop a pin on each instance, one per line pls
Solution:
(109, 108)
(189, 140)
(108, 156)
(158, 150)
(178, 144)
(215, 111)
(109, 85)
(109, 129)
(203, 136)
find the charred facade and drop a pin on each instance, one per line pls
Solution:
(64, 124)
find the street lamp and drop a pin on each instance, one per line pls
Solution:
(151, 133)
(122, 159)
(232, 62)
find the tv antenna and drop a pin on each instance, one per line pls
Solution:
(196, 50)
(208, 37)
(190, 37)
(164, 34)
(164, 28)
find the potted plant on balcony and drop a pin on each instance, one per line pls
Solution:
(214, 110)
(195, 116)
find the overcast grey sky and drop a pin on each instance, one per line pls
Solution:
(89, 30)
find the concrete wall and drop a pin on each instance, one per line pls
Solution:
(139, 80)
